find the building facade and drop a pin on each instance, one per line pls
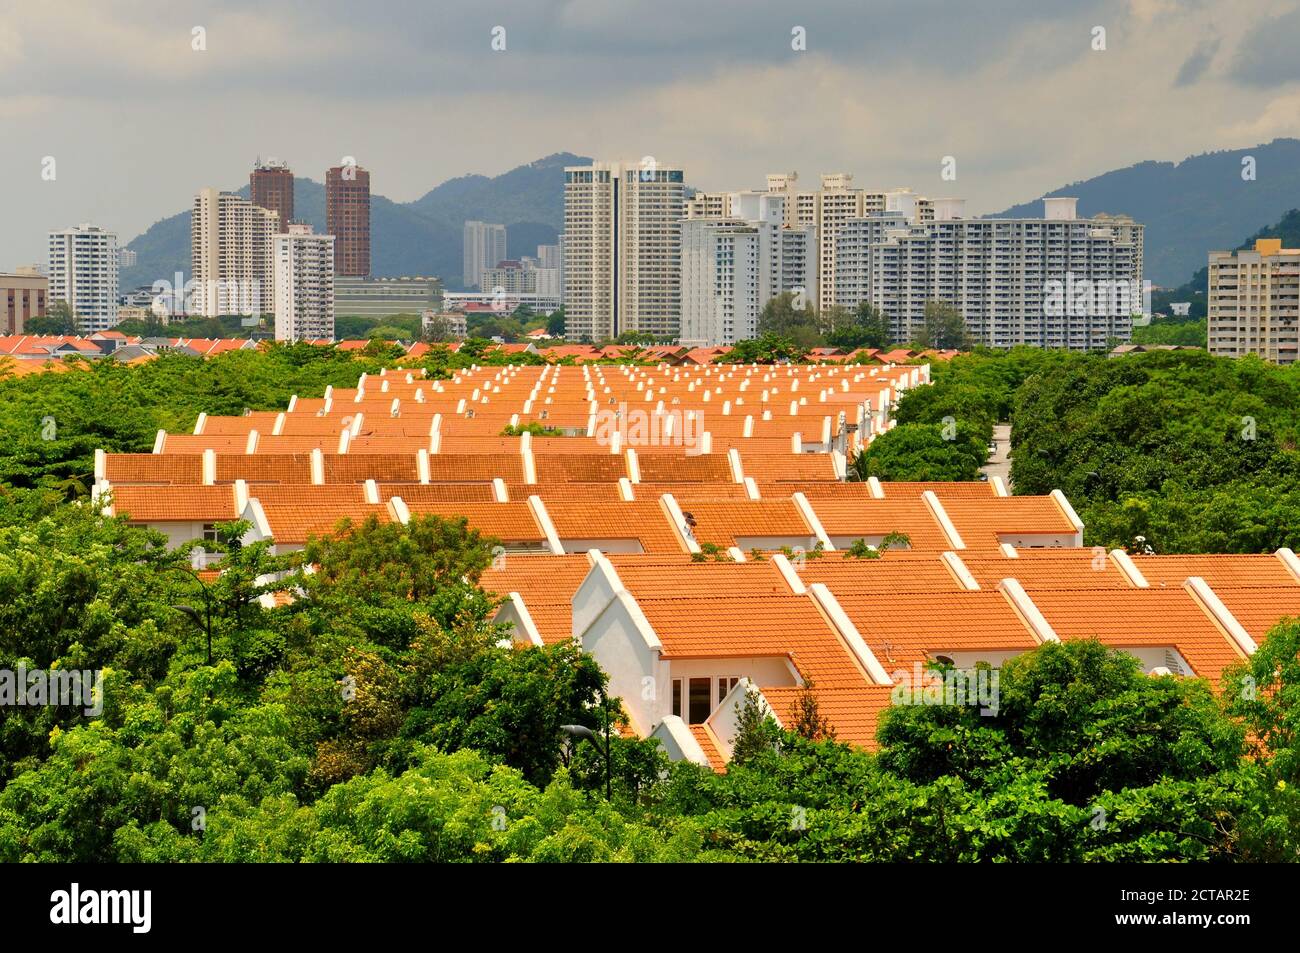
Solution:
(347, 216)
(731, 268)
(622, 249)
(270, 186)
(1059, 281)
(231, 255)
(1253, 302)
(24, 294)
(510, 277)
(484, 248)
(384, 297)
(83, 270)
(304, 284)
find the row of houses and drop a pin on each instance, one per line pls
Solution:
(121, 347)
(697, 530)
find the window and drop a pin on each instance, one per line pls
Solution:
(677, 697)
(726, 684)
(701, 700)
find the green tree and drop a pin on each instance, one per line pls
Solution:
(923, 452)
(943, 328)
(767, 348)
(865, 327)
(756, 730)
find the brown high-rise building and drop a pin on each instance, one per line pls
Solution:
(271, 187)
(347, 218)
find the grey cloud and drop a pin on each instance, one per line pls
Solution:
(1194, 66)
(1266, 56)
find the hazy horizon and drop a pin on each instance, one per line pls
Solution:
(137, 120)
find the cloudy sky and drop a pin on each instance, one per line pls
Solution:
(137, 119)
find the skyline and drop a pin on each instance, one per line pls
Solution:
(727, 98)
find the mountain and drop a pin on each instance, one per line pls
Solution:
(1193, 207)
(407, 238)
(1288, 230)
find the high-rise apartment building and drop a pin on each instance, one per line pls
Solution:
(731, 267)
(232, 255)
(83, 273)
(347, 216)
(304, 284)
(1059, 281)
(23, 295)
(622, 249)
(510, 277)
(270, 186)
(1253, 302)
(548, 256)
(484, 248)
(826, 210)
(550, 271)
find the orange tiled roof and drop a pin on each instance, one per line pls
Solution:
(676, 466)
(934, 623)
(704, 738)
(854, 713)
(264, 468)
(982, 523)
(784, 467)
(644, 521)
(863, 517)
(722, 522)
(1084, 568)
(509, 522)
(1233, 569)
(188, 504)
(740, 627)
(1140, 618)
(1260, 608)
(147, 469)
(294, 523)
(579, 467)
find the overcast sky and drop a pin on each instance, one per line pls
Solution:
(137, 120)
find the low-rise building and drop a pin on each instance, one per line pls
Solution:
(24, 295)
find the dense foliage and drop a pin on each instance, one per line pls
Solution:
(1173, 451)
(378, 716)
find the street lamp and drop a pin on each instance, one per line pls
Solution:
(582, 731)
(204, 622)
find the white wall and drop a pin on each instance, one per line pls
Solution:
(604, 545)
(636, 674)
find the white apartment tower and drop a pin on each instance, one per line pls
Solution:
(304, 284)
(834, 203)
(484, 248)
(731, 268)
(83, 273)
(232, 255)
(722, 280)
(622, 249)
(1059, 281)
(550, 271)
(1253, 302)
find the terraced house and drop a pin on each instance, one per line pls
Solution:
(718, 552)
